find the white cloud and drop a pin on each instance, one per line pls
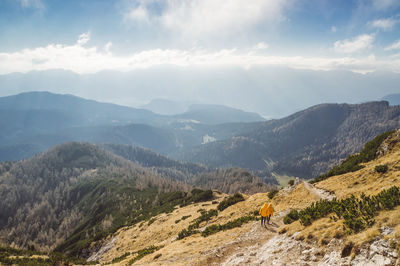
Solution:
(393, 46)
(357, 44)
(261, 46)
(82, 59)
(107, 47)
(38, 4)
(199, 19)
(83, 39)
(384, 24)
(138, 14)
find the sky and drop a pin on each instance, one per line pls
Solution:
(91, 36)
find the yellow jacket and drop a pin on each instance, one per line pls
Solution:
(263, 210)
(270, 210)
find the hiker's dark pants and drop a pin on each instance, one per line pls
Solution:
(263, 220)
(268, 218)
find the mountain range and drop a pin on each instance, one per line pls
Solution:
(304, 144)
(272, 91)
(35, 121)
(393, 99)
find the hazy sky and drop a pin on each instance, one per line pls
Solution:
(89, 36)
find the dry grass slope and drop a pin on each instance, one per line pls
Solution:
(225, 246)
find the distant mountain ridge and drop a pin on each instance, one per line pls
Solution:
(393, 99)
(304, 144)
(35, 121)
(218, 114)
(83, 111)
(166, 107)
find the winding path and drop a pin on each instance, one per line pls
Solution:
(322, 193)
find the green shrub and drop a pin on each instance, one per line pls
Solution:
(291, 182)
(120, 258)
(381, 168)
(352, 162)
(195, 224)
(272, 193)
(144, 252)
(358, 214)
(237, 197)
(152, 220)
(199, 195)
(292, 216)
(215, 228)
(185, 217)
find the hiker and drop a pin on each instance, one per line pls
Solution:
(263, 213)
(270, 212)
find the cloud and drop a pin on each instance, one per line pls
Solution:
(138, 14)
(357, 44)
(384, 24)
(261, 46)
(107, 47)
(200, 19)
(37, 4)
(393, 46)
(83, 39)
(385, 4)
(83, 59)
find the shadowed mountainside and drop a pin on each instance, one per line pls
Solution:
(77, 193)
(304, 144)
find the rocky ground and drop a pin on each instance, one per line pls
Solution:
(287, 250)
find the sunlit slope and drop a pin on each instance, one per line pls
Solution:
(238, 245)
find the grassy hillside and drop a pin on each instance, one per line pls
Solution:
(372, 189)
(232, 236)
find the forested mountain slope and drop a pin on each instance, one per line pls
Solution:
(76, 193)
(304, 144)
(225, 180)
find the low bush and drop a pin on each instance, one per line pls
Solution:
(215, 228)
(291, 182)
(292, 216)
(144, 252)
(152, 220)
(272, 193)
(195, 224)
(237, 197)
(358, 214)
(120, 258)
(381, 168)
